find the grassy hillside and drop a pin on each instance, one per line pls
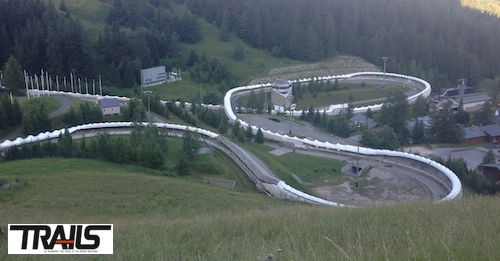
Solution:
(91, 13)
(173, 219)
(256, 66)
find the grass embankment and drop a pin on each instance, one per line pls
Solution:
(312, 170)
(171, 218)
(357, 92)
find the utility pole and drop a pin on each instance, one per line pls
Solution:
(358, 124)
(148, 93)
(385, 58)
(291, 108)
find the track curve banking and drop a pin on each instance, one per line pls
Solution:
(437, 171)
(255, 168)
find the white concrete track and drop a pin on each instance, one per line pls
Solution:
(257, 171)
(422, 88)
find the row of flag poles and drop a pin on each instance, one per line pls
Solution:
(45, 82)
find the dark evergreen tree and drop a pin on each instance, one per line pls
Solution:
(444, 128)
(420, 108)
(35, 118)
(369, 139)
(191, 145)
(462, 116)
(418, 132)
(65, 144)
(13, 76)
(387, 139)
(249, 133)
(182, 167)
(484, 116)
(259, 137)
(489, 157)
(394, 113)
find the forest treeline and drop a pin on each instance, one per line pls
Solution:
(137, 35)
(439, 41)
(436, 40)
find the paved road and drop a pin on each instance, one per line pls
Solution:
(473, 156)
(66, 104)
(435, 189)
(283, 127)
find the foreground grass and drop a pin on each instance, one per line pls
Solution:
(173, 219)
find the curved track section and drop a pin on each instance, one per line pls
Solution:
(438, 172)
(255, 169)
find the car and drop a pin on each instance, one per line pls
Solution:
(275, 119)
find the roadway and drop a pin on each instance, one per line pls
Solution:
(301, 129)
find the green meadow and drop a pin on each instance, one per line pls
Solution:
(173, 218)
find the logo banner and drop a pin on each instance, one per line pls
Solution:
(60, 239)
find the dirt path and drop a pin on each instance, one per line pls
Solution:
(377, 186)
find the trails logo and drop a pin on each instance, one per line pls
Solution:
(60, 239)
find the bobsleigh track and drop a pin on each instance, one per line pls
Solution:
(256, 170)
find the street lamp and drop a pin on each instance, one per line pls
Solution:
(148, 93)
(358, 124)
(291, 108)
(385, 58)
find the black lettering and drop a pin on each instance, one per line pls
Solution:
(72, 236)
(88, 236)
(58, 234)
(45, 239)
(36, 230)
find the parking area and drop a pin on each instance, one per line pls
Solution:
(472, 155)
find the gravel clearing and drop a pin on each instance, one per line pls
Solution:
(376, 186)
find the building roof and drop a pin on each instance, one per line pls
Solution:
(494, 166)
(472, 98)
(493, 130)
(364, 120)
(473, 132)
(108, 103)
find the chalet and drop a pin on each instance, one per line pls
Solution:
(109, 106)
(491, 171)
(492, 132)
(473, 134)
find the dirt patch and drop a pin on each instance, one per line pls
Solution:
(419, 150)
(376, 186)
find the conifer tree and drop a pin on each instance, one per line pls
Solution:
(13, 76)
